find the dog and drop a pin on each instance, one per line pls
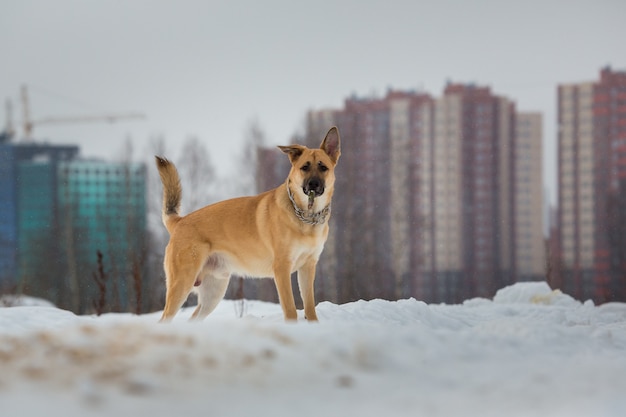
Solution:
(272, 234)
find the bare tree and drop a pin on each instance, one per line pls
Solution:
(197, 174)
(126, 152)
(100, 278)
(253, 139)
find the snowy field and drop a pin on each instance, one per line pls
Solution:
(528, 352)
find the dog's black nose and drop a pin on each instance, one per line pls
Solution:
(314, 184)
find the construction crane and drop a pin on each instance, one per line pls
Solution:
(28, 124)
(7, 134)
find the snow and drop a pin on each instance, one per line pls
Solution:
(529, 351)
(10, 300)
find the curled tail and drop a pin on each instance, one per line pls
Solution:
(172, 192)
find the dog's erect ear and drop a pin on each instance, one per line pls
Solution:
(332, 144)
(294, 151)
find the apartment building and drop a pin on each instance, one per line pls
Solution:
(530, 253)
(436, 197)
(102, 208)
(472, 207)
(59, 211)
(27, 201)
(592, 187)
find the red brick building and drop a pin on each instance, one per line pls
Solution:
(426, 201)
(592, 187)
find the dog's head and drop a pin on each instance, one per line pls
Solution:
(313, 170)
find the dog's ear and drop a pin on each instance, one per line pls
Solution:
(294, 151)
(332, 144)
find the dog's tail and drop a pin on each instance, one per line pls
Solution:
(172, 192)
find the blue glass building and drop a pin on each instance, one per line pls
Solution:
(58, 212)
(102, 209)
(27, 179)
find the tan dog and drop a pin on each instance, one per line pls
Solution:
(272, 234)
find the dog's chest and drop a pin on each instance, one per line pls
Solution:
(306, 249)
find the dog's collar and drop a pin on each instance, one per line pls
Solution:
(313, 218)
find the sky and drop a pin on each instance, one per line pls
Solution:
(209, 68)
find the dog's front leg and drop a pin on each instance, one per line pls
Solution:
(306, 278)
(282, 278)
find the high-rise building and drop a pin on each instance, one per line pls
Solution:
(102, 208)
(471, 208)
(375, 212)
(592, 187)
(58, 213)
(436, 198)
(27, 201)
(530, 250)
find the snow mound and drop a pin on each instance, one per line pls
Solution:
(530, 351)
(11, 300)
(533, 293)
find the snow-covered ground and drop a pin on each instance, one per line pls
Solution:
(530, 351)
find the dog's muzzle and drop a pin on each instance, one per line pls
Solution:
(314, 184)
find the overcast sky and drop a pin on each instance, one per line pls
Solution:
(206, 68)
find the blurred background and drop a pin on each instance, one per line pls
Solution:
(461, 123)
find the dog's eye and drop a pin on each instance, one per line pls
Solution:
(323, 168)
(306, 167)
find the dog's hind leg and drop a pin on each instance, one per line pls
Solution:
(176, 295)
(182, 267)
(210, 293)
